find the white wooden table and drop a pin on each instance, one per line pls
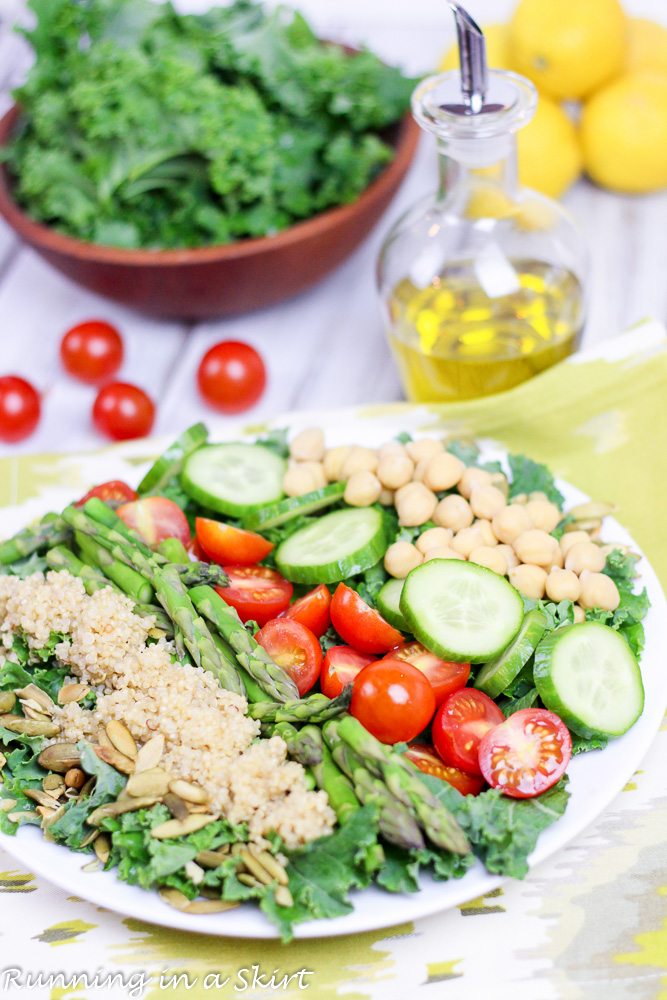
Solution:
(326, 347)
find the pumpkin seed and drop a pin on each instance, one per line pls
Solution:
(7, 701)
(177, 807)
(212, 859)
(204, 808)
(273, 867)
(255, 868)
(118, 808)
(150, 754)
(194, 872)
(59, 757)
(189, 791)
(155, 781)
(181, 827)
(54, 785)
(209, 906)
(249, 880)
(37, 795)
(3, 760)
(28, 727)
(173, 897)
(32, 712)
(592, 510)
(46, 812)
(7, 804)
(34, 694)
(122, 738)
(72, 692)
(91, 837)
(92, 866)
(53, 818)
(75, 778)
(283, 896)
(24, 817)
(110, 755)
(102, 848)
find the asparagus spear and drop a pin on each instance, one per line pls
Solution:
(61, 558)
(127, 579)
(316, 709)
(201, 574)
(50, 531)
(303, 745)
(100, 512)
(340, 790)
(404, 783)
(173, 550)
(273, 680)
(197, 639)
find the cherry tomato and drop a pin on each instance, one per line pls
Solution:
(360, 625)
(393, 700)
(257, 592)
(195, 549)
(231, 376)
(20, 408)
(444, 675)
(224, 543)
(459, 725)
(341, 666)
(115, 491)
(526, 754)
(312, 610)
(154, 519)
(122, 411)
(294, 648)
(426, 759)
(92, 351)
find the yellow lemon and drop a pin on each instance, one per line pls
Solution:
(624, 133)
(497, 49)
(568, 48)
(550, 157)
(647, 46)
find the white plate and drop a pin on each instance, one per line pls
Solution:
(595, 778)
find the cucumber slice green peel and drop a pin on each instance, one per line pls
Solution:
(388, 604)
(496, 675)
(334, 546)
(461, 611)
(234, 479)
(274, 514)
(171, 462)
(588, 675)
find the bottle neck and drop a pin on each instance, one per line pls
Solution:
(460, 175)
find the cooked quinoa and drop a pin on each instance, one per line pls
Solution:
(208, 737)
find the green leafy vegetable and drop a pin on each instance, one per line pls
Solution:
(528, 476)
(633, 607)
(582, 745)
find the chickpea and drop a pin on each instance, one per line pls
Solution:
(467, 540)
(535, 547)
(499, 480)
(391, 448)
(415, 504)
(362, 489)
(520, 498)
(442, 552)
(544, 514)
(395, 470)
(303, 477)
(453, 512)
(484, 555)
(487, 501)
(563, 585)
(333, 462)
(509, 555)
(599, 591)
(529, 580)
(443, 471)
(585, 555)
(558, 559)
(400, 558)
(359, 460)
(488, 534)
(511, 522)
(420, 470)
(471, 478)
(308, 445)
(434, 538)
(571, 538)
(425, 448)
(579, 614)
(538, 495)
(387, 498)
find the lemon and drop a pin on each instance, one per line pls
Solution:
(549, 150)
(497, 49)
(568, 49)
(647, 46)
(624, 133)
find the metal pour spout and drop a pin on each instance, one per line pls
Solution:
(474, 71)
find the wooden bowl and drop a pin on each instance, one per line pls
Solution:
(214, 280)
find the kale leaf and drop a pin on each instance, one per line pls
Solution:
(528, 476)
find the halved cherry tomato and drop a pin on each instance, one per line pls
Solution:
(113, 492)
(526, 754)
(393, 700)
(312, 610)
(257, 592)
(341, 666)
(360, 625)
(444, 675)
(154, 519)
(459, 725)
(426, 759)
(223, 543)
(294, 648)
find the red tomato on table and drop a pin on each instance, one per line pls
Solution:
(294, 648)
(526, 754)
(360, 625)
(122, 411)
(231, 376)
(115, 491)
(154, 519)
(426, 759)
(223, 543)
(257, 592)
(92, 351)
(444, 675)
(312, 610)
(459, 725)
(20, 408)
(341, 666)
(393, 700)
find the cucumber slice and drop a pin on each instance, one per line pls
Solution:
(388, 604)
(461, 611)
(496, 675)
(285, 510)
(587, 674)
(171, 462)
(333, 547)
(234, 479)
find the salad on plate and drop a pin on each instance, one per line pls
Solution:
(279, 672)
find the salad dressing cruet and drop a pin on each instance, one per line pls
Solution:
(482, 284)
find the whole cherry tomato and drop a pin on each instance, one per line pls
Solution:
(92, 351)
(445, 676)
(122, 411)
(360, 625)
(231, 376)
(20, 408)
(294, 648)
(526, 754)
(223, 543)
(393, 700)
(459, 725)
